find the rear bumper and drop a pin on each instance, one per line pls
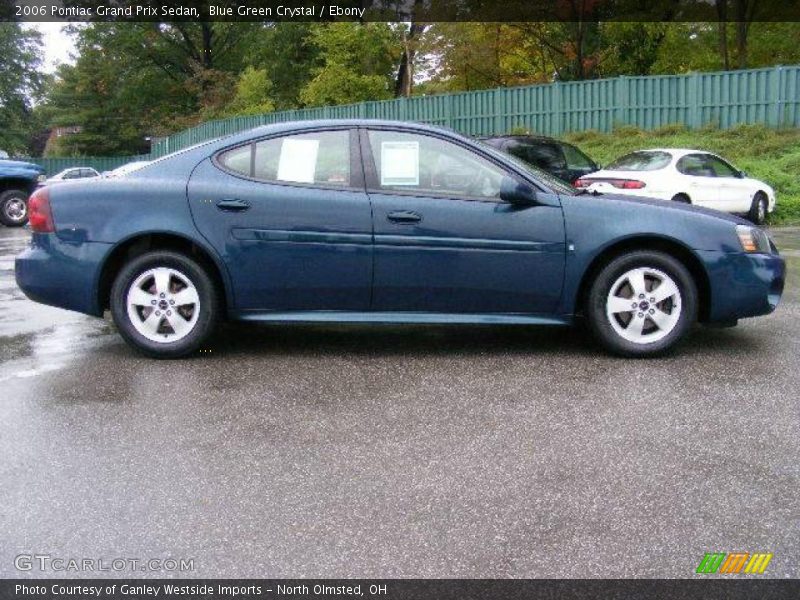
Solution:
(743, 285)
(60, 274)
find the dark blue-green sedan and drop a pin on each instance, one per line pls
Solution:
(384, 222)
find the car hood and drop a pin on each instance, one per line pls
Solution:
(669, 207)
(18, 164)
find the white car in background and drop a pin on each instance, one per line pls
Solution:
(681, 175)
(71, 174)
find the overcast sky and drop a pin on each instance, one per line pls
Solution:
(57, 46)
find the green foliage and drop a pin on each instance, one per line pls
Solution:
(20, 83)
(253, 91)
(135, 80)
(631, 48)
(358, 63)
(767, 154)
(288, 53)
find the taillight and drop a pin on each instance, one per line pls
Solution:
(628, 184)
(39, 214)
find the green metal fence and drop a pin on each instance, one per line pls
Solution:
(769, 96)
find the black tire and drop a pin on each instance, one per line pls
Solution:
(600, 323)
(206, 292)
(682, 198)
(11, 201)
(758, 209)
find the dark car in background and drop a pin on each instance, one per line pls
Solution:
(383, 222)
(17, 180)
(558, 158)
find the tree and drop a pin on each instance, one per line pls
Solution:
(136, 80)
(630, 48)
(744, 11)
(253, 94)
(95, 96)
(288, 53)
(20, 85)
(358, 63)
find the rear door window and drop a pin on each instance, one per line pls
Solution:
(546, 156)
(319, 157)
(695, 165)
(649, 160)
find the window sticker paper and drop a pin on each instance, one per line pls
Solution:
(298, 161)
(399, 163)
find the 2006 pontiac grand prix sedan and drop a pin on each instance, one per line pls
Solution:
(383, 222)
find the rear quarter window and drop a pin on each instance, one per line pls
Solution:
(237, 160)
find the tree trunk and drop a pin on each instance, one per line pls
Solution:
(579, 73)
(722, 28)
(745, 10)
(741, 44)
(208, 39)
(405, 73)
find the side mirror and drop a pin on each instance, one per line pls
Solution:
(742, 174)
(516, 192)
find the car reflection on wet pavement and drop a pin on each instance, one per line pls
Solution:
(391, 451)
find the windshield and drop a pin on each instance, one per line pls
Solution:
(645, 160)
(546, 178)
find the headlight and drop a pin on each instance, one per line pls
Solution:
(41, 178)
(753, 239)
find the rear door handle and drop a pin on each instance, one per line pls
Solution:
(232, 204)
(404, 216)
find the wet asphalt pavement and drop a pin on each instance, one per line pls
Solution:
(293, 451)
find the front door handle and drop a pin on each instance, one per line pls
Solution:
(404, 216)
(233, 204)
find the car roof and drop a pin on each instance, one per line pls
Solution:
(675, 151)
(520, 137)
(322, 123)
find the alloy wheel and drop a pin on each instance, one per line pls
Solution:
(163, 305)
(643, 305)
(15, 209)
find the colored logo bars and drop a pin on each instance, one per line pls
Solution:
(720, 562)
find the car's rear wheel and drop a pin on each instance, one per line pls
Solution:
(681, 198)
(642, 303)
(14, 208)
(164, 304)
(758, 209)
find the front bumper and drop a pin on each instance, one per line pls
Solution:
(66, 275)
(743, 285)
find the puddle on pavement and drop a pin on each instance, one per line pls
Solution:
(35, 338)
(52, 348)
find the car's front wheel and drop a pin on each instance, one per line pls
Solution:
(14, 208)
(642, 303)
(164, 304)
